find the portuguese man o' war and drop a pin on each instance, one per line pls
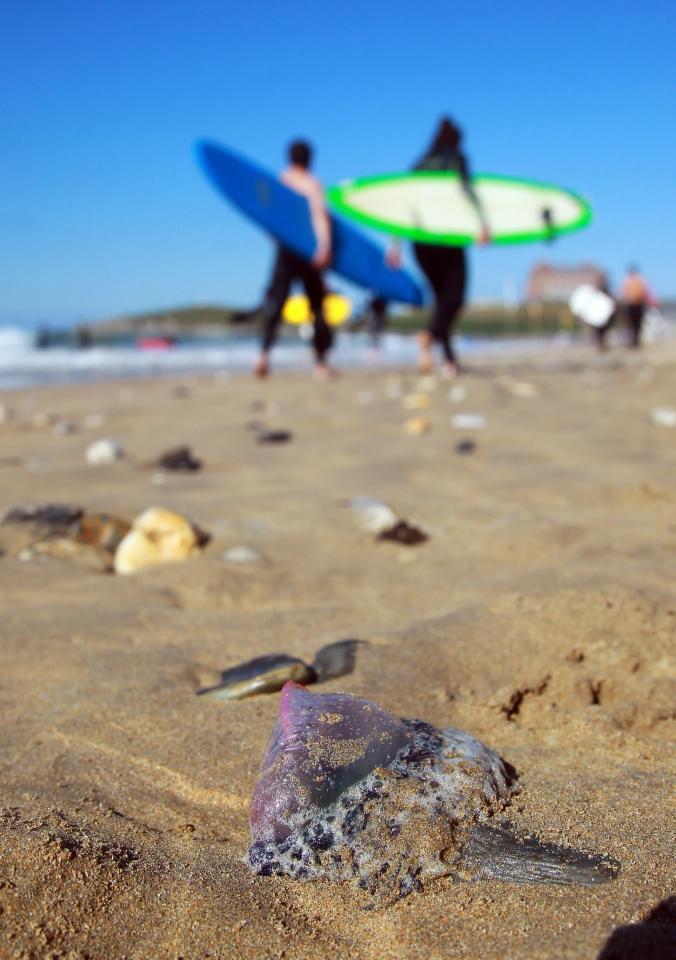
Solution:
(349, 792)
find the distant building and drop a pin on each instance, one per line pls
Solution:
(547, 282)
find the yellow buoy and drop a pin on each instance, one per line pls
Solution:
(297, 310)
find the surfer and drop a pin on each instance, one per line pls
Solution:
(444, 266)
(289, 267)
(635, 296)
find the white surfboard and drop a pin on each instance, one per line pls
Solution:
(433, 207)
(591, 305)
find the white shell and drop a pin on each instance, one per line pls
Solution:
(103, 452)
(373, 515)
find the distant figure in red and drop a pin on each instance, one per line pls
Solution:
(444, 266)
(635, 296)
(289, 267)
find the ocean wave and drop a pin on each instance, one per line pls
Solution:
(24, 365)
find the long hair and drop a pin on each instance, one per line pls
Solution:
(448, 136)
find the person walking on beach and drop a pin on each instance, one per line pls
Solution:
(635, 297)
(444, 266)
(289, 267)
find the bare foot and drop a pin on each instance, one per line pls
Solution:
(262, 367)
(450, 371)
(323, 371)
(425, 364)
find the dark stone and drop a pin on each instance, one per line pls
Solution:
(274, 436)
(179, 460)
(465, 446)
(404, 533)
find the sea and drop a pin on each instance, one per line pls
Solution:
(24, 364)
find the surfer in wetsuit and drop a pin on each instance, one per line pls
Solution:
(289, 267)
(444, 266)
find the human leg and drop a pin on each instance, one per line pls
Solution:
(446, 270)
(450, 304)
(323, 335)
(635, 315)
(275, 296)
(427, 257)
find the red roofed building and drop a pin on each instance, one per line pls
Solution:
(547, 282)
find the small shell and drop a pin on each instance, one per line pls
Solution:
(158, 536)
(468, 421)
(260, 675)
(242, 555)
(103, 452)
(415, 401)
(416, 426)
(373, 515)
(664, 416)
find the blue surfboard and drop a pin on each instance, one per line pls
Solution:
(286, 215)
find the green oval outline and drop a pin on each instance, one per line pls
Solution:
(336, 196)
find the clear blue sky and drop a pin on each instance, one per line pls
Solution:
(103, 209)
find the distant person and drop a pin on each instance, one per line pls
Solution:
(635, 296)
(600, 333)
(83, 337)
(444, 266)
(289, 267)
(376, 319)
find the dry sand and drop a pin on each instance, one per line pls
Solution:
(540, 616)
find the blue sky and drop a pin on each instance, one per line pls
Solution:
(103, 209)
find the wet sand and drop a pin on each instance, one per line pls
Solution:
(540, 616)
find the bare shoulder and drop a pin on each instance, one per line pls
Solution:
(302, 182)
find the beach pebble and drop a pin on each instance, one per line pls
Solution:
(93, 421)
(103, 452)
(179, 460)
(416, 426)
(242, 555)
(373, 515)
(521, 389)
(42, 418)
(426, 384)
(65, 427)
(468, 421)
(664, 416)
(365, 397)
(457, 393)
(393, 390)
(415, 401)
(404, 533)
(158, 536)
(274, 436)
(465, 446)
(6, 415)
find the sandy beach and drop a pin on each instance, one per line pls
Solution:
(540, 616)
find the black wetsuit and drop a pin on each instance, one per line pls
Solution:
(288, 268)
(444, 266)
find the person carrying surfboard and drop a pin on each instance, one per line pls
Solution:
(444, 266)
(289, 267)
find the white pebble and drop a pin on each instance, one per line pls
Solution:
(242, 554)
(457, 393)
(103, 452)
(664, 416)
(468, 421)
(93, 421)
(373, 515)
